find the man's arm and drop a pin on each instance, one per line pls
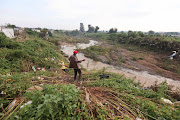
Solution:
(79, 61)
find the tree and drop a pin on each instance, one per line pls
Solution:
(44, 33)
(113, 30)
(50, 34)
(96, 29)
(90, 29)
(141, 34)
(113, 37)
(151, 32)
(82, 27)
(11, 25)
(132, 34)
(124, 35)
(38, 28)
(74, 33)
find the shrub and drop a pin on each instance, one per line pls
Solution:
(54, 102)
(134, 58)
(17, 57)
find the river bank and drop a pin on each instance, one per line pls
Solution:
(144, 77)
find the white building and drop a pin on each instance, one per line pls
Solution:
(9, 32)
(37, 30)
(18, 29)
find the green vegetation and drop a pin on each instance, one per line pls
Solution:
(113, 30)
(134, 58)
(31, 33)
(54, 102)
(61, 101)
(113, 98)
(170, 65)
(137, 42)
(95, 51)
(145, 101)
(69, 37)
(91, 29)
(19, 57)
(98, 36)
(164, 43)
(10, 25)
(106, 54)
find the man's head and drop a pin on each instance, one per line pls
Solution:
(75, 52)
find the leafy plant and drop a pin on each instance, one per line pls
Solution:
(54, 102)
(18, 57)
(134, 58)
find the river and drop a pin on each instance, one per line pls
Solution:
(143, 77)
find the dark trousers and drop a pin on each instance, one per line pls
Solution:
(75, 73)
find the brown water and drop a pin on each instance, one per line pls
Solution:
(143, 77)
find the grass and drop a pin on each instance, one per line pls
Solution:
(158, 43)
(169, 65)
(66, 101)
(17, 59)
(15, 84)
(20, 57)
(94, 51)
(172, 39)
(147, 101)
(141, 58)
(134, 58)
(162, 62)
(54, 102)
(106, 54)
(61, 101)
(97, 36)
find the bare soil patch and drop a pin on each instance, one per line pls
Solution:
(141, 61)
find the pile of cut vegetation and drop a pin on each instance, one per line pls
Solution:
(153, 102)
(115, 97)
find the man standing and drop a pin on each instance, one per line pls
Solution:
(74, 63)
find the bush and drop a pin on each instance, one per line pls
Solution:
(18, 57)
(134, 58)
(54, 102)
(32, 33)
(7, 43)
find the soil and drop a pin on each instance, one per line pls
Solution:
(140, 61)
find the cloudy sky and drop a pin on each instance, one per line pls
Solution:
(136, 15)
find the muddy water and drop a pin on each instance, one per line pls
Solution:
(143, 77)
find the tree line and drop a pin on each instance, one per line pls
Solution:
(140, 39)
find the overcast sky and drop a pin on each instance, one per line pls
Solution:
(136, 15)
